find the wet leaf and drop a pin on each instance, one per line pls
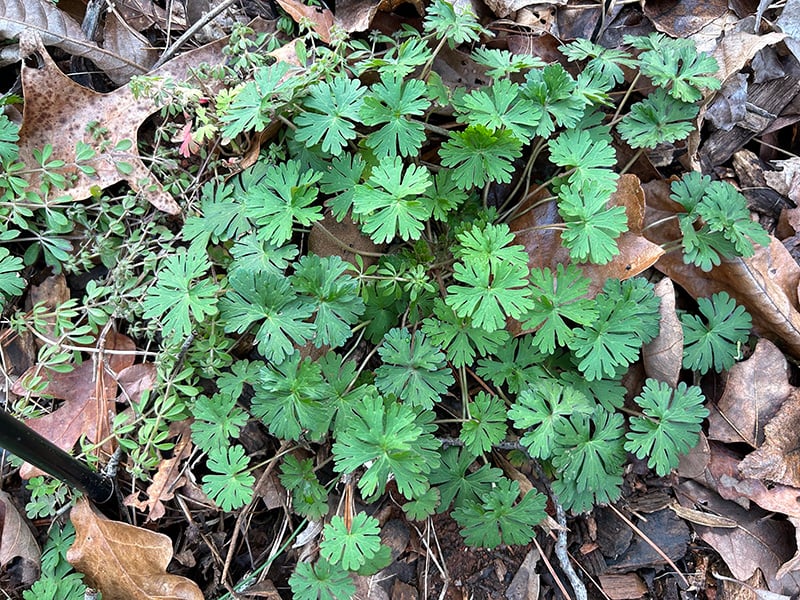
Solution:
(125, 562)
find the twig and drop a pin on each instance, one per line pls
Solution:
(197, 26)
(561, 552)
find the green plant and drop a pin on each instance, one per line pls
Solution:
(383, 362)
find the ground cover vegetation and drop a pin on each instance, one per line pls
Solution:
(399, 366)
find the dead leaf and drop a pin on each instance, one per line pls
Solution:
(16, 538)
(623, 587)
(663, 356)
(786, 181)
(683, 18)
(321, 18)
(124, 40)
(754, 391)
(56, 28)
(88, 394)
(789, 23)
(330, 237)
(53, 102)
(765, 284)
(169, 475)
(778, 459)
(526, 583)
(759, 542)
(738, 47)
(51, 292)
(125, 562)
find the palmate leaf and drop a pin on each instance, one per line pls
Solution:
(351, 547)
(500, 106)
(486, 425)
(557, 298)
(658, 119)
(515, 365)
(388, 204)
(254, 104)
(456, 27)
(321, 581)
(501, 63)
(229, 485)
(461, 340)
(334, 295)
(267, 299)
(607, 62)
(457, 483)
(592, 227)
(309, 498)
(588, 155)
(627, 316)
(222, 216)
(488, 296)
(497, 519)
(479, 155)
(183, 294)
(392, 439)
(444, 195)
(217, 419)
(670, 425)
(285, 195)
(259, 256)
(389, 104)
(590, 460)
(490, 244)
(339, 180)
(714, 343)
(332, 108)
(538, 408)
(555, 94)
(724, 209)
(291, 398)
(413, 369)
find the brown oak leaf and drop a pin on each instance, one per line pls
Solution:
(125, 562)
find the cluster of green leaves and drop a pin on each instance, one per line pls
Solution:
(428, 307)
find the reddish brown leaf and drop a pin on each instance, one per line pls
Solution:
(53, 102)
(754, 391)
(321, 18)
(765, 284)
(685, 17)
(663, 356)
(16, 538)
(169, 475)
(125, 562)
(88, 393)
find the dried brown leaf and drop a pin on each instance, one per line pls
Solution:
(53, 102)
(124, 40)
(169, 475)
(88, 394)
(738, 47)
(759, 542)
(56, 28)
(778, 459)
(754, 391)
(16, 538)
(663, 356)
(685, 17)
(321, 18)
(125, 562)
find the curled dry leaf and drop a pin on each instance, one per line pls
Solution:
(754, 391)
(738, 47)
(125, 562)
(169, 475)
(778, 459)
(88, 393)
(663, 356)
(56, 28)
(16, 538)
(53, 102)
(765, 284)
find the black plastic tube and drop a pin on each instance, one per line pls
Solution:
(24, 442)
